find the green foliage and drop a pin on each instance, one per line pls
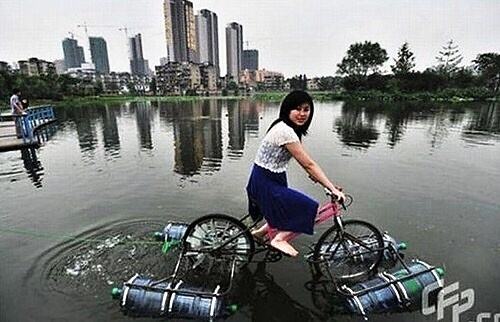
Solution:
(371, 82)
(420, 82)
(405, 62)
(329, 83)
(362, 59)
(488, 65)
(51, 86)
(98, 88)
(191, 92)
(298, 82)
(152, 85)
(232, 86)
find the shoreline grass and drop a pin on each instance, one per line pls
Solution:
(445, 96)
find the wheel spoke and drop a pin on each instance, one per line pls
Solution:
(356, 251)
(222, 239)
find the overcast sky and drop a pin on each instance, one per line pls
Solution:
(292, 36)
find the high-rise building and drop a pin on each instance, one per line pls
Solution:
(99, 53)
(208, 38)
(192, 55)
(137, 63)
(173, 11)
(73, 54)
(180, 31)
(81, 54)
(234, 49)
(250, 59)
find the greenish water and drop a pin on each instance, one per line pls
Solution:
(112, 174)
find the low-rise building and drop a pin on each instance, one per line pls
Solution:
(60, 66)
(86, 72)
(176, 78)
(120, 83)
(208, 74)
(36, 67)
(4, 66)
(262, 79)
(313, 84)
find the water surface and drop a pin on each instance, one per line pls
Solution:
(111, 174)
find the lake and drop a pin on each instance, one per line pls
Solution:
(77, 214)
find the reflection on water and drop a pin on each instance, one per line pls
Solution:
(198, 128)
(485, 123)
(197, 137)
(144, 119)
(198, 132)
(33, 166)
(356, 126)
(203, 132)
(257, 293)
(110, 134)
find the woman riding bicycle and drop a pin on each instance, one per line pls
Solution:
(287, 210)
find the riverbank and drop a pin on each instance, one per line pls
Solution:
(446, 95)
(450, 95)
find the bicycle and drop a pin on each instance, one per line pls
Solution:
(350, 249)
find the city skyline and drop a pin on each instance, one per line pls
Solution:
(308, 37)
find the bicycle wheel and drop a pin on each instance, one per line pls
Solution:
(352, 253)
(218, 238)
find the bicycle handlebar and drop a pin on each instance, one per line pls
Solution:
(335, 198)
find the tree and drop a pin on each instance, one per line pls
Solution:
(448, 59)
(152, 85)
(329, 83)
(405, 62)
(362, 58)
(488, 65)
(298, 82)
(232, 85)
(98, 88)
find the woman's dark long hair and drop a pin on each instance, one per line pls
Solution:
(291, 102)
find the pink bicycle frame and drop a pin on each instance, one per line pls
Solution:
(325, 212)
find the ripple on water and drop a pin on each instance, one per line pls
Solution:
(99, 259)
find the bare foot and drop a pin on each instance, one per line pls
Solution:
(284, 246)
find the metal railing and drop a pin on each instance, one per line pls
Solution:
(32, 119)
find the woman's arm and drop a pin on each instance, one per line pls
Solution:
(312, 168)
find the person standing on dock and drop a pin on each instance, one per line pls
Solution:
(17, 109)
(15, 103)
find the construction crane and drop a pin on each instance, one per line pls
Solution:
(86, 26)
(124, 28)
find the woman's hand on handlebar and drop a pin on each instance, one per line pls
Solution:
(339, 194)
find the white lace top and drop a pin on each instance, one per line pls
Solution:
(272, 154)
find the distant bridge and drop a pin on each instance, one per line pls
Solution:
(29, 123)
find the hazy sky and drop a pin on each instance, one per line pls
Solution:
(292, 36)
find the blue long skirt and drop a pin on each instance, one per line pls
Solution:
(283, 208)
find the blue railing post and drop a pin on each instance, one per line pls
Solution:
(27, 129)
(32, 119)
